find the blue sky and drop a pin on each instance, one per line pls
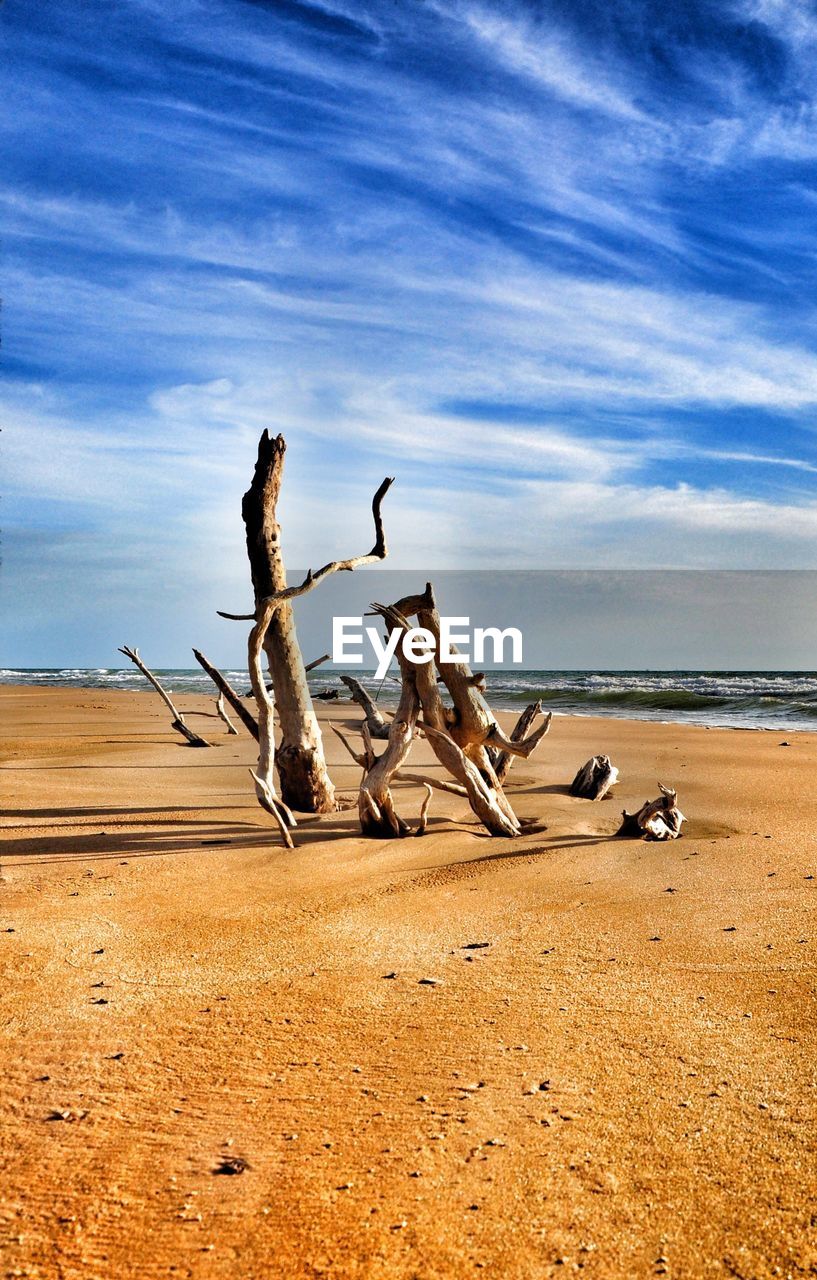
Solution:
(552, 265)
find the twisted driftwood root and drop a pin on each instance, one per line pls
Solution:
(594, 779)
(656, 819)
(462, 737)
(485, 797)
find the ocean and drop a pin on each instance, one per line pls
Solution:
(778, 700)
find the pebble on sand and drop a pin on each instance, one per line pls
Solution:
(231, 1166)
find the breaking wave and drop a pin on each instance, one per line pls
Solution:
(745, 699)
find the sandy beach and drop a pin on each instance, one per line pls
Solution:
(437, 1058)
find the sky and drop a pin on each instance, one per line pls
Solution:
(552, 265)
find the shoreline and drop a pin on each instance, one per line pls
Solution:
(497, 704)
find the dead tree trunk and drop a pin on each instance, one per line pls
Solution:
(378, 727)
(178, 719)
(224, 687)
(304, 779)
(267, 608)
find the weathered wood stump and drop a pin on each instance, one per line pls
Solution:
(594, 779)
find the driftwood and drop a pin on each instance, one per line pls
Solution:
(310, 666)
(502, 760)
(594, 779)
(462, 736)
(262, 776)
(267, 609)
(423, 820)
(378, 816)
(222, 711)
(378, 728)
(305, 782)
(656, 819)
(178, 719)
(224, 687)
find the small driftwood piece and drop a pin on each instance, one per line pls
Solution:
(656, 819)
(502, 760)
(222, 711)
(375, 721)
(224, 687)
(178, 719)
(594, 779)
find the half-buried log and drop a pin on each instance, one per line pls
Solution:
(656, 819)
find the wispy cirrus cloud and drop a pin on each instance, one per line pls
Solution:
(552, 265)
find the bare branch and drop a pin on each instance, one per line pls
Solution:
(223, 685)
(264, 781)
(423, 820)
(222, 711)
(378, 552)
(178, 719)
(439, 784)
(512, 746)
(375, 721)
(357, 756)
(274, 806)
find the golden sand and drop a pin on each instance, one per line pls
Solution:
(621, 1082)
